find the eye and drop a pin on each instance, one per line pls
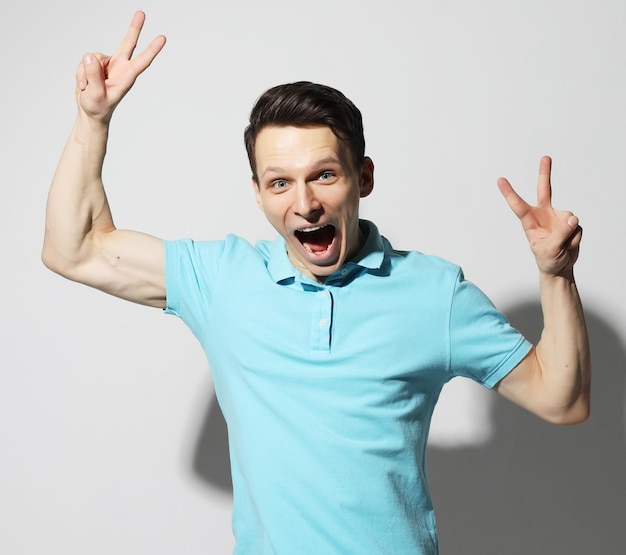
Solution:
(279, 184)
(326, 176)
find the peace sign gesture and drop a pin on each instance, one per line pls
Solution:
(102, 81)
(554, 236)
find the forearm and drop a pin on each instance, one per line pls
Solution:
(554, 380)
(562, 354)
(77, 207)
(81, 242)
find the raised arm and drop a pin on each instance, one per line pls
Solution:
(81, 241)
(554, 380)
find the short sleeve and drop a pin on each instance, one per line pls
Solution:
(483, 345)
(191, 269)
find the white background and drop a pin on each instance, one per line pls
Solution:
(110, 438)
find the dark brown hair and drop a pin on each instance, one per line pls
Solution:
(306, 104)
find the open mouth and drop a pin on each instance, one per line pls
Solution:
(316, 239)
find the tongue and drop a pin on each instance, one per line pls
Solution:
(319, 240)
(315, 248)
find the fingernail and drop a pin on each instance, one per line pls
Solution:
(572, 221)
(88, 59)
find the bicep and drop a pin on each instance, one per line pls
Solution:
(126, 264)
(524, 386)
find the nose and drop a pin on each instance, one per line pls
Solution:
(306, 203)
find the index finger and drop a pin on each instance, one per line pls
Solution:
(129, 42)
(544, 187)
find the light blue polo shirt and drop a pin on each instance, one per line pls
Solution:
(328, 390)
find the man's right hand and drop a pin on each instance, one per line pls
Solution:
(81, 241)
(102, 81)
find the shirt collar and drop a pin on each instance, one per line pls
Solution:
(370, 257)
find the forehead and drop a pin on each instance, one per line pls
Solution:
(295, 146)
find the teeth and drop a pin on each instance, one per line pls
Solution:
(310, 229)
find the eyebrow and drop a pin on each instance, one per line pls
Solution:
(318, 163)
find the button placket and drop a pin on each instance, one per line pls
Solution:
(321, 324)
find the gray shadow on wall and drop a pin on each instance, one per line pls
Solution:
(535, 487)
(211, 462)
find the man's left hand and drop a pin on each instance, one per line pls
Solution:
(554, 235)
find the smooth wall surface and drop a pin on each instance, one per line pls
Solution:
(111, 439)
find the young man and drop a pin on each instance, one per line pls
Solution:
(328, 347)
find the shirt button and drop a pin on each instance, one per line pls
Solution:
(344, 271)
(322, 323)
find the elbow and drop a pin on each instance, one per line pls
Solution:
(579, 416)
(48, 259)
(571, 419)
(576, 414)
(51, 258)
(55, 261)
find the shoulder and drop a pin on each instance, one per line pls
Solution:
(215, 249)
(413, 261)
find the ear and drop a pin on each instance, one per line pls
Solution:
(257, 193)
(366, 183)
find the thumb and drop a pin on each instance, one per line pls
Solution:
(92, 78)
(566, 232)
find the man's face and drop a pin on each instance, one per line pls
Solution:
(309, 191)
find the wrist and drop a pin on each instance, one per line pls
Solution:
(88, 130)
(566, 277)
